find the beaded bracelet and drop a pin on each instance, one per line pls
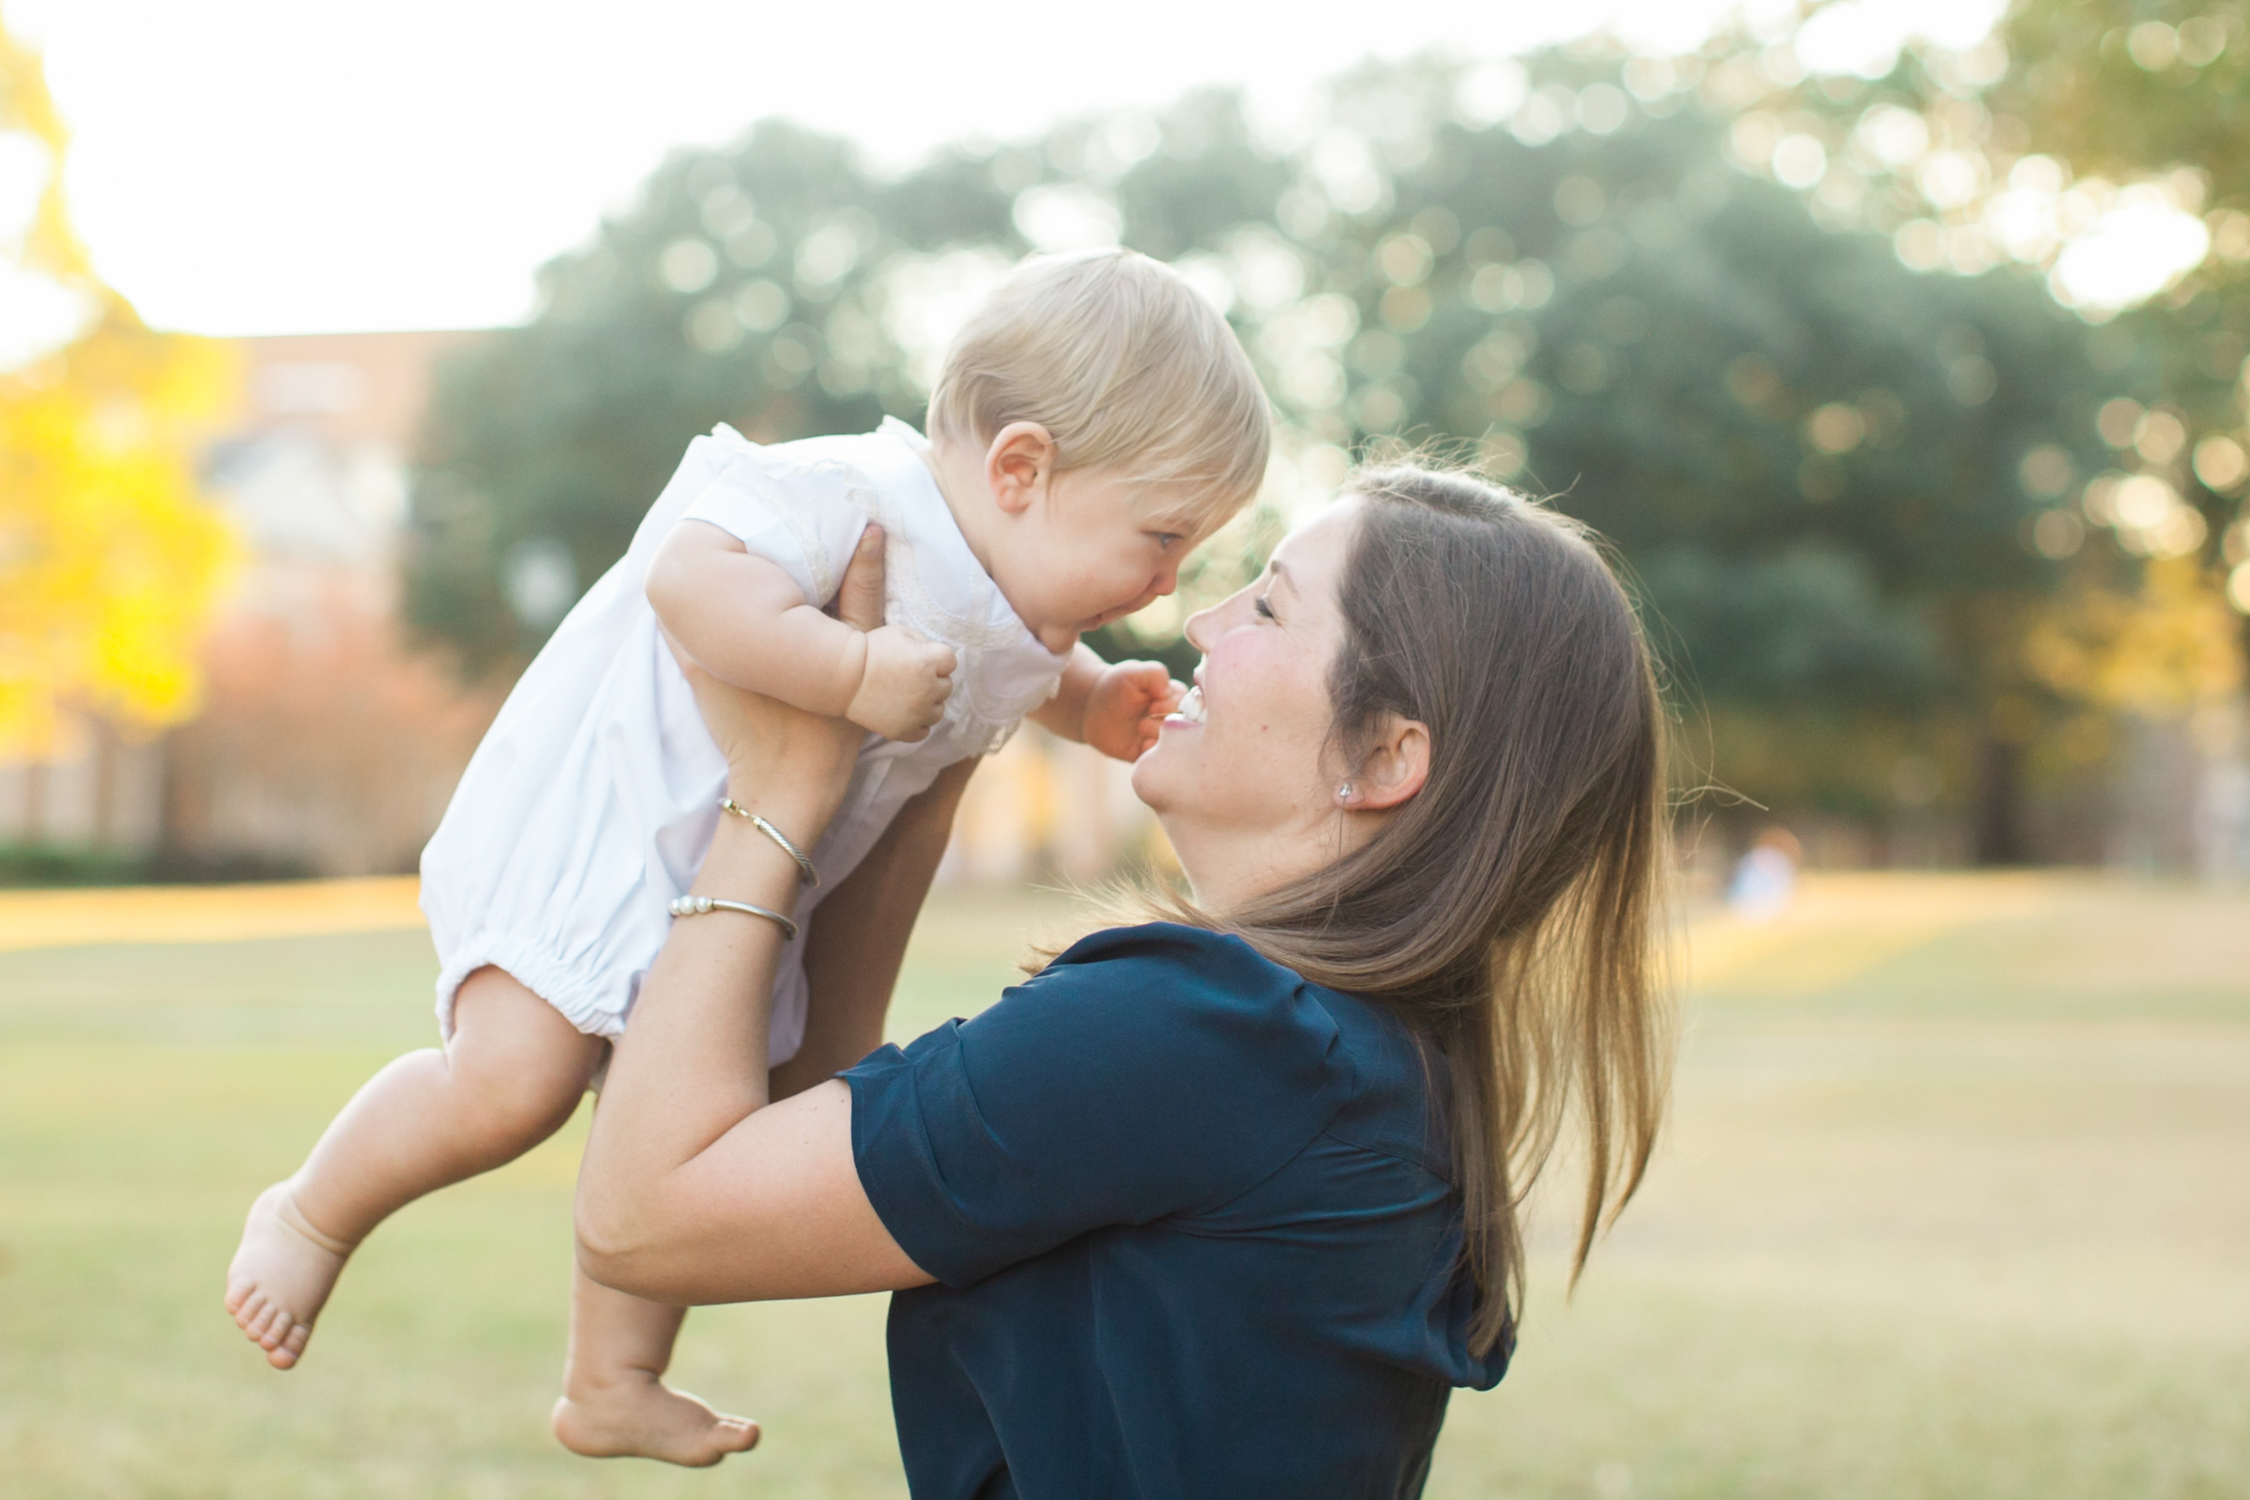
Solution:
(696, 906)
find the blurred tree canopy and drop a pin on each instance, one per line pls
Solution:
(2156, 96)
(1851, 491)
(109, 560)
(2107, 147)
(2075, 122)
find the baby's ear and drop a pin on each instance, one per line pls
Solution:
(1019, 465)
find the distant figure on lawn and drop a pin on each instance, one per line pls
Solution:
(1766, 876)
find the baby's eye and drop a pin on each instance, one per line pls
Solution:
(1165, 539)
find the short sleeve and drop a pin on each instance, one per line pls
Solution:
(806, 520)
(1148, 1072)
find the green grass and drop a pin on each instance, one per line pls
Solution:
(1966, 1219)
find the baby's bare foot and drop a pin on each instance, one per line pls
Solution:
(281, 1275)
(639, 1416)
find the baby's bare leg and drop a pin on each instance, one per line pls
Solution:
(615, 1403)
(613, 1400)
(508, 1079)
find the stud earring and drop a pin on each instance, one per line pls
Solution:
(1344, 792)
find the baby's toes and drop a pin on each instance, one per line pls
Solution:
(272, 1324)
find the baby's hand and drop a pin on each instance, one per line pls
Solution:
(1126, 706)
(903, 690)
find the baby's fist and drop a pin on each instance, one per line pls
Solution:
(903, 690)
(1126, 706)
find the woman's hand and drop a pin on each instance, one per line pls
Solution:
(782, 761)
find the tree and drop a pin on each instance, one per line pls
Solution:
(1816, 459)
(2072, 119)
(110, 561)
(749, 287)
(2073, 131)
(1813, 458)
(2158, 98)
(1829, 473)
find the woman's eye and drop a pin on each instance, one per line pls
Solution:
(1261, 607)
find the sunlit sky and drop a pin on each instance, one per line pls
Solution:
(264, 166)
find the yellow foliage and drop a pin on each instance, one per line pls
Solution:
(25, 105)
(110, 559)
(2159, 652)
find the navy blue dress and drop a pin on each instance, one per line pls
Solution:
(1192, 1233)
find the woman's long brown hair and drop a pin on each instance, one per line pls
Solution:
(1509, 912)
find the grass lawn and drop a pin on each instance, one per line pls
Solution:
(1955, 1204)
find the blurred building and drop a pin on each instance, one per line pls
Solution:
(323, 744)
(326, 746)
(2183, 800)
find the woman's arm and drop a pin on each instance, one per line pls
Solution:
(771, 1209)
(692, 1189)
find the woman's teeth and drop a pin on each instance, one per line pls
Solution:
(1191, 706)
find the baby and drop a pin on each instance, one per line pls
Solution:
(1092, 424)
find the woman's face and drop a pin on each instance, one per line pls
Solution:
(1240, 773)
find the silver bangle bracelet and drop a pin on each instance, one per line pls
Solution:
(696, 906)
(806, 874)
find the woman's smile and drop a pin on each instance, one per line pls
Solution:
(1240, 773)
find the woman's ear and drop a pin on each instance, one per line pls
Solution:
(1018, 465)
(1392, 770)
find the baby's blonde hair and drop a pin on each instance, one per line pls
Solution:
(1128, 369)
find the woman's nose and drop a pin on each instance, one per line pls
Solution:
(1198, 629)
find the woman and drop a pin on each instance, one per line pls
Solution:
(1224, 1205)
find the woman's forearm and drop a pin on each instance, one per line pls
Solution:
(693, 1188)
(692, 1064)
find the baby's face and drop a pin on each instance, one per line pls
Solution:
(1094, 550)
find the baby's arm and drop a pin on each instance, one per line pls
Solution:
(1113, 707)
(743, 618)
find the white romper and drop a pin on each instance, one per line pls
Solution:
(594, 795)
